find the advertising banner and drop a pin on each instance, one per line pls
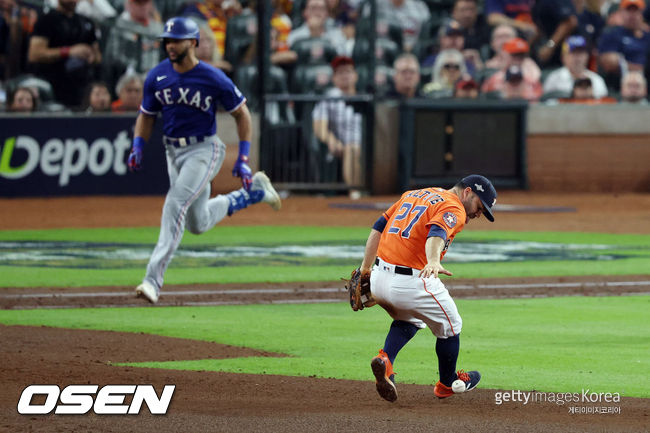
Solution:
(43, 156)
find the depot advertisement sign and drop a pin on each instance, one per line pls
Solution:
(43, 156)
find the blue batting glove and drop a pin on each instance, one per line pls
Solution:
(135, 157)
(241, 168)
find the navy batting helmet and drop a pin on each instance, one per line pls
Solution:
(181, 28)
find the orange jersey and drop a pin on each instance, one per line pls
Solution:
(409, 221)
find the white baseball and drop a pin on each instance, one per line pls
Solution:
(458, 386)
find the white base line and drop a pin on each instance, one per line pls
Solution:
(123, 294)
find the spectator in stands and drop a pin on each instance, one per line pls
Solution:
(216, 13)
(406, 78)
(96, 10)
(336, 124)
(574, 58)
(343, 15)
(133, 42)
(583, 93)
(556, 19)
(22, 100)
(500, 35)
(475, 28)
(97, 98)
(448, 69)
(466, 89)
(582, 89)
(515, 13)
(315, 26)
(207, 49)
(624, 47)
(281, 26)
(451, 37)
(517, 51)
(515, 86)
(634, 89)
(590, 26)
(129, 91)
(64, 51)
(409, 15)
(16, 25)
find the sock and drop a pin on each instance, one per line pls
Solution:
(240, 199)
(399, 334)
(447, 350)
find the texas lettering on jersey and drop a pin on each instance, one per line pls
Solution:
(410, 221)
(184, 95)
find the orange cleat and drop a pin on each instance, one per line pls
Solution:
(471, 379)
(382, 368)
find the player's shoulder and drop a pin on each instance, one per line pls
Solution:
(210, 70)
(162, 68)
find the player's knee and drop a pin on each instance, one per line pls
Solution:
(195, 227)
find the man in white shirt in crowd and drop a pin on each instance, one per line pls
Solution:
(574, 57)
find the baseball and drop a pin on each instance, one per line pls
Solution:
(458, 386)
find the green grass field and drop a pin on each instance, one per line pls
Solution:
(591, 254)
(553, 344)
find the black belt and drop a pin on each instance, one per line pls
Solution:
(182, 141)
(402, 270)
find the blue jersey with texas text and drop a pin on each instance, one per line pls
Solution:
(188, 101)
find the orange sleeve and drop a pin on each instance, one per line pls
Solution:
(449, 217)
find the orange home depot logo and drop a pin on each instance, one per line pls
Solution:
(64, 157)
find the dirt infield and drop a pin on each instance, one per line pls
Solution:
(212, 401)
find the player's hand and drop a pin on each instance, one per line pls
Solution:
(135, 159)
(242, 170)
(433, 269)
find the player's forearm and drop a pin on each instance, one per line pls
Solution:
(243, 119)
(564, 29)
(372, 244)
(433, 249)
(143, 126)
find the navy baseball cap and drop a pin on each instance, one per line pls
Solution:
(484, 190)
(451, 28)
(574, 43)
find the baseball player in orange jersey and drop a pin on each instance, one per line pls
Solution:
(406, 245)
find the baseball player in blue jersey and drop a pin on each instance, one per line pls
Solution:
(187, 92)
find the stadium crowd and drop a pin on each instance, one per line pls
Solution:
(91, 55)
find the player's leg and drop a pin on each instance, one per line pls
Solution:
(261, 191)
(438, 310)
(194, 167)
(402, 329)
(205, 212)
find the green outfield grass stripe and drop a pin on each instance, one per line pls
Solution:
(65, 277)
(220, 235)
(553, 344)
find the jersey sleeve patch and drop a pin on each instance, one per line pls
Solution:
(450, 219)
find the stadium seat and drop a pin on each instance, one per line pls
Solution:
(44, 88)
(386, 50)
(382, 83)
(384, 30)
(311, 79)
(240, 34)
(246, 79)
(314, 51)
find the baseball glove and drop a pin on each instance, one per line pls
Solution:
(358, 287)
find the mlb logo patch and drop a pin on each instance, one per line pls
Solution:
(450, 219)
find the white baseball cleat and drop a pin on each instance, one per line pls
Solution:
(262, 182)
(148, 291)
